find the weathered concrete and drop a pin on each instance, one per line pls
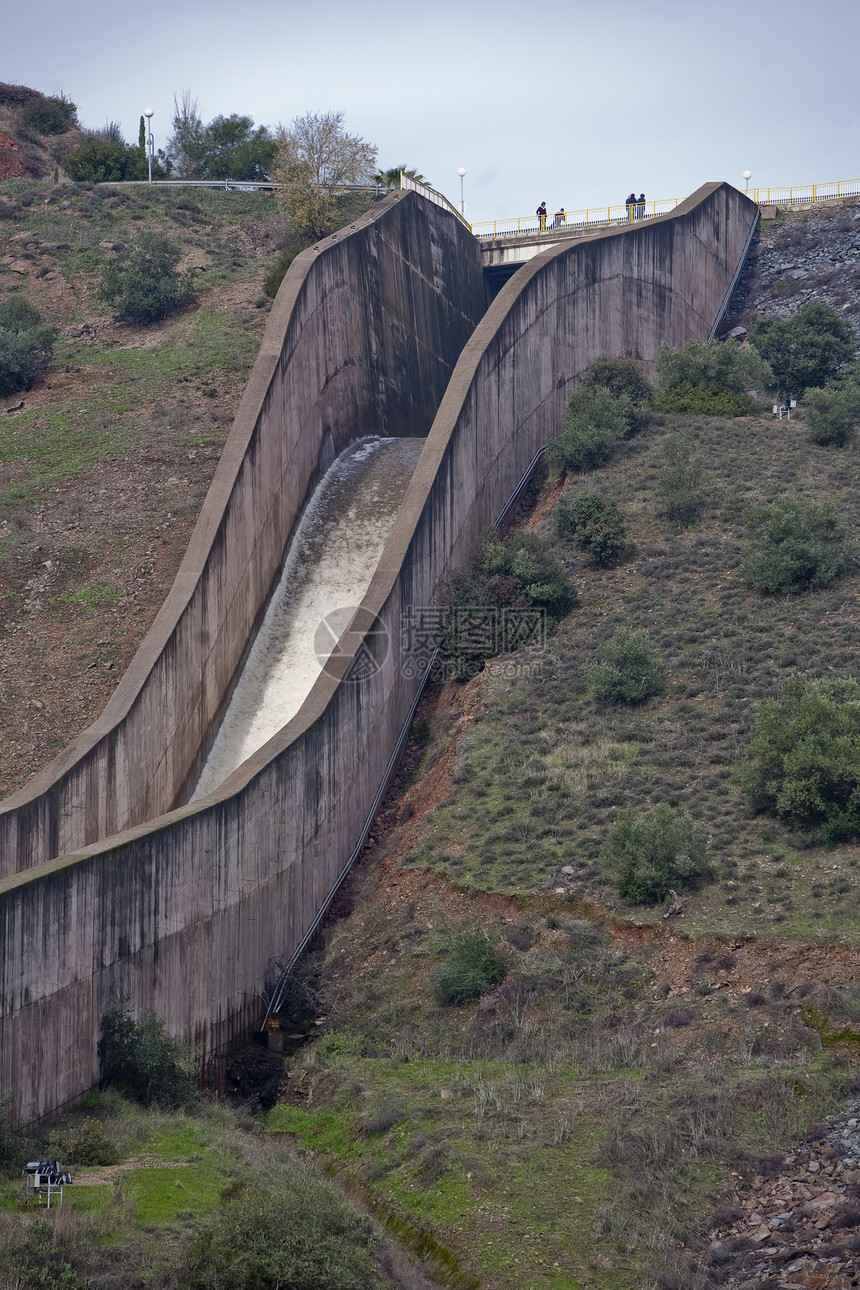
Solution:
(362, 339)
(186, 913)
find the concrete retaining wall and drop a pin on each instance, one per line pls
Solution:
(186, 914)
(362, 339)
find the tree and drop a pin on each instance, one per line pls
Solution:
(625, 378)
(144, 284)
(833, 412)
(595, 421)
(627, 669)
(156, 1068)
(50, 114)
(318, 162)
(594, 524)
(229, 147)
(391, 178)
(805, 350)
(25, 345)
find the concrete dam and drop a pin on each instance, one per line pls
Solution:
(130, 867)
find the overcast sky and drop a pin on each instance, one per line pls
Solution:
(572, 103)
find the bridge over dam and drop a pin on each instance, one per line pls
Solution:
(115, 877)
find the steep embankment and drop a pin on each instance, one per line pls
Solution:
(653, 1084)
(103, 470)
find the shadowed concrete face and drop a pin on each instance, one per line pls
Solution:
(187, 913)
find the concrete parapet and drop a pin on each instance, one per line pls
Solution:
(187, 913)
(362, 339)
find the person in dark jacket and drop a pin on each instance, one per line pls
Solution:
(631, 205)
(541, 214)
(640, 206)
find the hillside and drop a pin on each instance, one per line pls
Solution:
(106, 465)
(638, 1094)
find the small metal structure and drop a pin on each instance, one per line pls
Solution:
(43, 1179)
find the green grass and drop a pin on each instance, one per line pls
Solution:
(545, 768)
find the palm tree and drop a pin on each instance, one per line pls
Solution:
(391, 178)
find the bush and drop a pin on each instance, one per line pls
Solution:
(595, 421)
(801, 544)
(833, 412)
(278, 271)
(623, 378)
(90, 1145)
(144, 284)
(140, 1057)
(805, 350)
(627, 670)
(471, 967)
(711, 379)
(657, 854)
(594, 524)
(512, 591)
(679, 486)
(105, 159)
(686, 399)
(25, 345)
(49, 115)
(803, 761)
(298, 1234)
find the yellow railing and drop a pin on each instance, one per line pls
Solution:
(804, 193)
(618, 214)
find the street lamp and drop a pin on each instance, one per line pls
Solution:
(462, 172)
(148, 113)
(747, 178)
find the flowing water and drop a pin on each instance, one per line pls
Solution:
(332, 558)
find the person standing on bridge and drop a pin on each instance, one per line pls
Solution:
(630, 203)
(541, 214)
(640, 206)
(558, 218)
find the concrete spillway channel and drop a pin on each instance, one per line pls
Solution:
(331, 560)
(113, 882)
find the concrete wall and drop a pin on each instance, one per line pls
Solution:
(186, 914)
(362, 339)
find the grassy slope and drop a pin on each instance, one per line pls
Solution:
(645, 1074)
(103, 472)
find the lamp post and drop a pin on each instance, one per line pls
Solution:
(462, 172)
(148, 113)
(747, 178)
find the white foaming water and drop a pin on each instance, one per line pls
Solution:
(332, 558)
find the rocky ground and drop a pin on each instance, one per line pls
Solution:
(804, 255)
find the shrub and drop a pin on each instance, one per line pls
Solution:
(105, 159)
(144, 284)
(299, 1233)
(513, 590)
(25, 345)
(623, 378)
(278, 271)
(801, 544)
(140, 1056)
(49, 115)
(805, 350)
(90, 1145)
(471, 967)
(654, 855)
(803, 761)
(713, 378)
(594, 524)
(833, 412)
(627, 669)
(679, 486)
(595, 421)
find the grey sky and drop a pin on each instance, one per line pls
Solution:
(573, 103)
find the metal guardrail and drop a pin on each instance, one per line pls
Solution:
(618, 214)
(413, 186)
(802, 194)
